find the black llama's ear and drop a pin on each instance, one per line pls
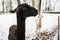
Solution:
(13, 11)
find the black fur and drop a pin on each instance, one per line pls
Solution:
(22, 11)
(12, 33)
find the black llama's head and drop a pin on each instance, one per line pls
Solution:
(25, 10)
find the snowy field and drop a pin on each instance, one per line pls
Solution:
(49, 22)
(6, 20)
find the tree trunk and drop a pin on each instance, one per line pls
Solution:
(8, 6)
(33, 4)
(39, 12)
(3, 5)
(39, 6)
(58, 27)
(24, 1)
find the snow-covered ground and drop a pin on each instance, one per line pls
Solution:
(49, 22)
(6, 20)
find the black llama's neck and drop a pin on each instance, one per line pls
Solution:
(20, 28)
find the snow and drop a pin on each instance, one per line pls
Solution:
(49, 21)
(6, 20)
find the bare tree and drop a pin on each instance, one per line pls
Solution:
(33, 4)
(39, 6)
(38, 21)
(24, 1)
(8, 5)
(3, 5)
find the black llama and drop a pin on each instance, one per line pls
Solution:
(23, 11)
(12, 32)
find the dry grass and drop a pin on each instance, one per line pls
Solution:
(45, 35)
